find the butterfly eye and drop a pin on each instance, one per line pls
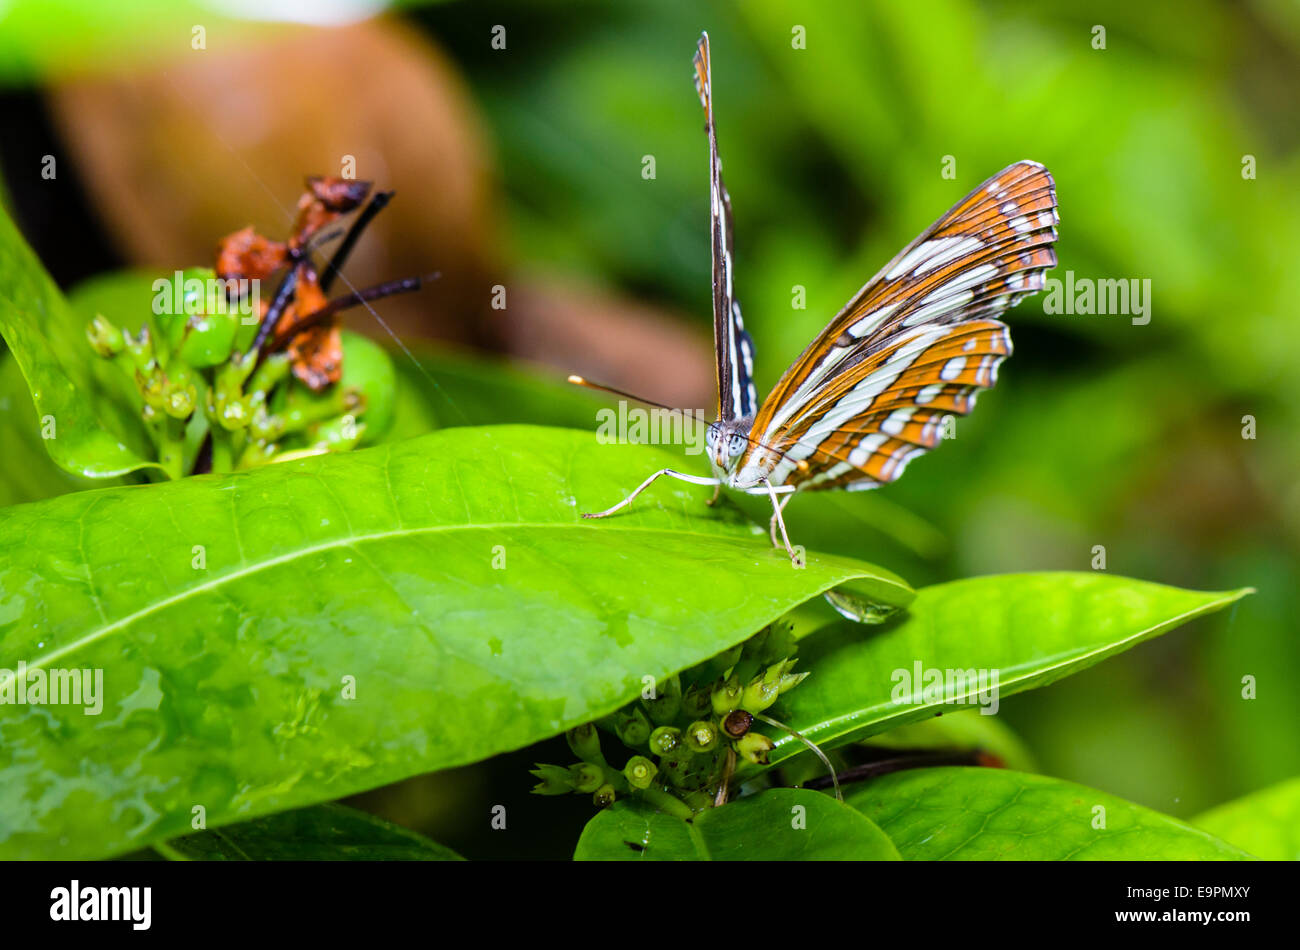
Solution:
(711, 435)
(737, 444)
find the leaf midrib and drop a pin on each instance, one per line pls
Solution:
(1028, 672)
(245, 571)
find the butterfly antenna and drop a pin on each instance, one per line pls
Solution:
(693, 414)
(839, 796)
(588, 384)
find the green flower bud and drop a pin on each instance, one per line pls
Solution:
(726, 696)
(604, 796)
(665, 740)
(753, 747)
(337, 435)
(106, 338)
(272, 370)
(763, 690)
(584, 741)
(150, 383)
(632, 727)
(640, 771)
(663, 709)
(180, 390)
(552, 780)
(702, 736)
(208, 338)
(139, 348)
(586, 776)
(790, 680)
(265, 425)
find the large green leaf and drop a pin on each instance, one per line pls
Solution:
(976, 814)
(1031, 629)
(321, 833)
(90, 429)
(28, 474)
(1266, 823)
(450, 576)
(780, 824)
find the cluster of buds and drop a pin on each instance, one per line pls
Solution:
(686, 737)
(227, 379)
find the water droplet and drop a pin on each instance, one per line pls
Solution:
(858, 609)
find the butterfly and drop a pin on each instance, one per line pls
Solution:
(914, 346)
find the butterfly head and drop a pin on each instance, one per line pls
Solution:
(727, 441)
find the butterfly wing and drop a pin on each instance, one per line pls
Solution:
(737, 397)
(917, 343)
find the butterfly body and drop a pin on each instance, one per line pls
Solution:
(912, 349)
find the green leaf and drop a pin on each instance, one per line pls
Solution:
(29, 474)
(449, 577)
(321, 833)
(764, 827)
(967, 729)
(77, 394)
(977, 814)
(1031, 629)
(1266, 823)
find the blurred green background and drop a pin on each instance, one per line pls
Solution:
(522, 167)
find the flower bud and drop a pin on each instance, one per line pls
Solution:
(632, 727)
(180, 393)
(552, 780)
(666, 740)
(604, 796)
(586, 776)
(726, 696)
(763, 690)
(640, 771)
(585, 743)
(753, 747)
(702, 736)
(106, 338)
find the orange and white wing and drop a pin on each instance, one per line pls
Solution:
(916, 343)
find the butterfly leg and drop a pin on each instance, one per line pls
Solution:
(714, 500)
(771, 524)
(777, 505)
(693, 479)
